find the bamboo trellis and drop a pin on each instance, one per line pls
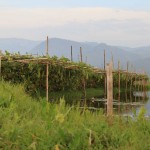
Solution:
(108, 71)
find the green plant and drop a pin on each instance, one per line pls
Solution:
(29, 124)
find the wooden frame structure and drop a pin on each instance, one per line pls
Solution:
(107, 71)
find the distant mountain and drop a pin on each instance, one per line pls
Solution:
(142, 51)
(93, 52)
(62, 47)
(15, 45)
(143, 64)
(96, 56)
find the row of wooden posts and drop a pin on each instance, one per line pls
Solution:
(108, 82)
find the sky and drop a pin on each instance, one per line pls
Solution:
(115, 22)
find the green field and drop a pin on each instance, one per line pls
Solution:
(26, 123)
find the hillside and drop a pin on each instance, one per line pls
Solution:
(15, 45)
(92, 51)
(143, 64)
(142, 51)
(61, 47)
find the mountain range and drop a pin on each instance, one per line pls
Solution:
(93, 52)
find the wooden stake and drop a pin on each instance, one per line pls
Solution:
(71, 54)
(81, 54)
(109, 69)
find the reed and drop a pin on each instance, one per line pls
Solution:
(26, 123)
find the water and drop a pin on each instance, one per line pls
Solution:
(134, 103)
(129, 103)
(146, 105)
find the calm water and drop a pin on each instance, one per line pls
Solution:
(146, 105)
(129, 103)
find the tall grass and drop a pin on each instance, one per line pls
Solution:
(29, 124)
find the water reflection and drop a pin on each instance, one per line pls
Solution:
(126, 104)
(146, 104)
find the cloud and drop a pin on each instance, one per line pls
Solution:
(105, 24)
(44, 17)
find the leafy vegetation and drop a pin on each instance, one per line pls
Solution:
(29, 124)
(61, 78)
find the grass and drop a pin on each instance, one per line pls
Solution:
(29, 124)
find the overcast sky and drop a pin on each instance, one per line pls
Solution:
(115, 22)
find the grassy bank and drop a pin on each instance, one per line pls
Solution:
(29, 124)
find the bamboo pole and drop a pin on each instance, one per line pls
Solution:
(143, 87)
(146, 87)
(126, 94)
(109, 69)
(104, 59)
(71, 54)
(145, 82)
(135, 85)
(119, 86)
(84, 84)
(47, 46)
(81, 54)
(131, 84)
(139, 88)
(105, 83)
(47, 71)
(127, 80)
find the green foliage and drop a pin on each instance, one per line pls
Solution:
(29, 124)
(33, 75)
(60, 78)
